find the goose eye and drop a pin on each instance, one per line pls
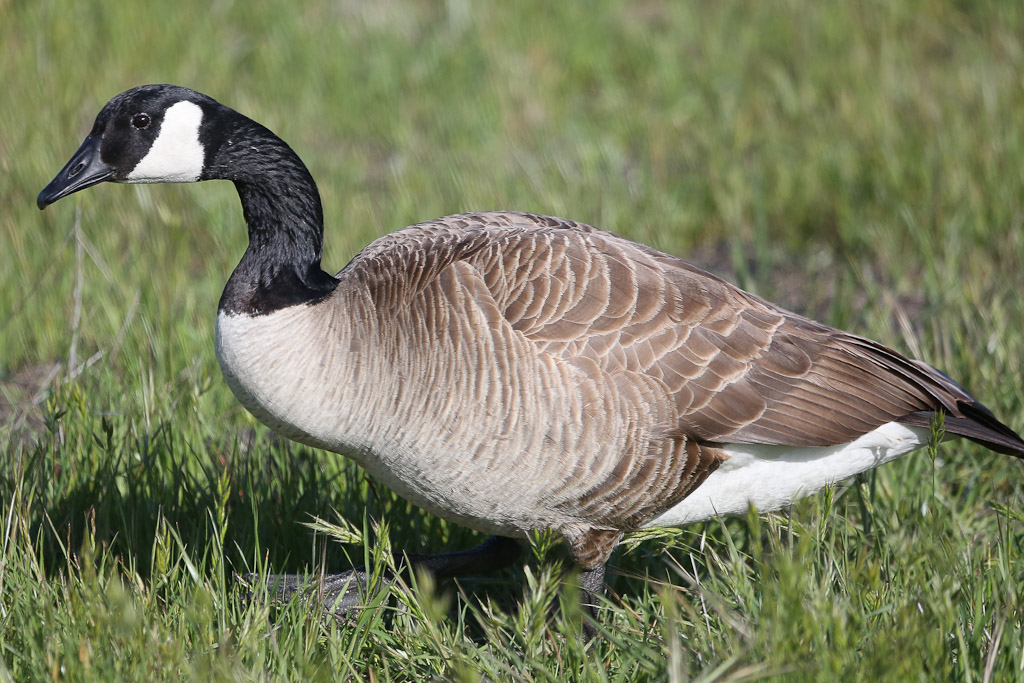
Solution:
(140, 121)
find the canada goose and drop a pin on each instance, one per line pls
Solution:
(513, 372)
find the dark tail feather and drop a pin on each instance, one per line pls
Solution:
(977, 424)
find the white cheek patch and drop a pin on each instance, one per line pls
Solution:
(176, 155)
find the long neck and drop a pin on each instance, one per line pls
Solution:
(281, 205)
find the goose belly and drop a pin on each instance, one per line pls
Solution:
(771, 477)
(495, 468)
(502, 467)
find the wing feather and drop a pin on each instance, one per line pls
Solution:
(736, 368)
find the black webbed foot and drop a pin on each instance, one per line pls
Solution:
(341, 593)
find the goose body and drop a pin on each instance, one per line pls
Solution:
(513, 372)
(458, 394)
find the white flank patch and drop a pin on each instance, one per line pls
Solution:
(771, 477)
(176, 155)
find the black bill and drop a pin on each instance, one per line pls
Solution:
(84, 170)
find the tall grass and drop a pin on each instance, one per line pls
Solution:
(860, 162)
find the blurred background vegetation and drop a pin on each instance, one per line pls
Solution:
(859, 162)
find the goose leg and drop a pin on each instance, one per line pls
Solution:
(591, 588)
(343, 592)
(591, 548)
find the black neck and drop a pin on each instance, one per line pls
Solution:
(281, 204)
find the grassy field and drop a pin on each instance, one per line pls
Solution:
(860, 162)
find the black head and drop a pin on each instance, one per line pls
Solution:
(149, 134)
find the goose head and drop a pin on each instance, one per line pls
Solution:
(149, 134)
(170, 134)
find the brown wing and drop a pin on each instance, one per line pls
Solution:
(739, 369)
(698, 361)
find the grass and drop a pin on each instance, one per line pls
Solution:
(861, 162)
